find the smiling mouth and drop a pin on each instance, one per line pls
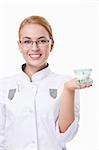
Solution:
(35, 56)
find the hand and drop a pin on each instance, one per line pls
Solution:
(72, 85)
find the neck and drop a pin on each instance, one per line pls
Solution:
(30, 70)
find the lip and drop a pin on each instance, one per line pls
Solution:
(35, 56)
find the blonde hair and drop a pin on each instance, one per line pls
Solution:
(37, 20)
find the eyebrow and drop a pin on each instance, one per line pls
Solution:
(27, 37)
(37, 38)
(41, 37)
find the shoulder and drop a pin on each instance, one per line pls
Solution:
(57, 80)
(9, 80)
(60, 77)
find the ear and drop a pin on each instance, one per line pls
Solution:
(52, 45)
(20, 47)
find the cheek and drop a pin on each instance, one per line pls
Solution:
(25, 55)
(47, 50)
(46, 53)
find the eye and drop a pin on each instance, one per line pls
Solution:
(27, 42)
(43, 41)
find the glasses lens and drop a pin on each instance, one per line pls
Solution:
(26, 43)
(43, 42)
(40, 43)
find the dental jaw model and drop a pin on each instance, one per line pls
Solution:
(83, 76)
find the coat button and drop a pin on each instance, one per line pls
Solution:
(64, 148)
(30, 110)
(33, 142)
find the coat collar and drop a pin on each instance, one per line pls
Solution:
(36, 76)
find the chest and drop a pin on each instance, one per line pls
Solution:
(24, 100)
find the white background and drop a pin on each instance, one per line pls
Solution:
(75, 26)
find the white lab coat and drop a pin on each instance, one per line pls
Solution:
(29, 112)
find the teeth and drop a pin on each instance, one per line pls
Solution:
(35, 55)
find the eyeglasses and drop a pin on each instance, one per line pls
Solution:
(27, 44)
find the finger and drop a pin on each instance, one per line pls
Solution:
(89, 85)
(84, 86)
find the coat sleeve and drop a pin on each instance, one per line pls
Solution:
(70, 133)
(2, 119)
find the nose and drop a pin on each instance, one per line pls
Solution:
(34, 47)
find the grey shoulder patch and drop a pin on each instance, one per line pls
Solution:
(53, 93)
(11, 94)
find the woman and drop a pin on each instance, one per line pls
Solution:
(39, 109)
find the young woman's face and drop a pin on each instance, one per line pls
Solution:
(35, 44)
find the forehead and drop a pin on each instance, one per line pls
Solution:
(33, 31)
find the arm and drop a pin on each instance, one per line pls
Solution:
(66, 115)
(2, 126)
(67, 112)
(2, 118)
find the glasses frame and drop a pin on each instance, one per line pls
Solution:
(36, 42)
